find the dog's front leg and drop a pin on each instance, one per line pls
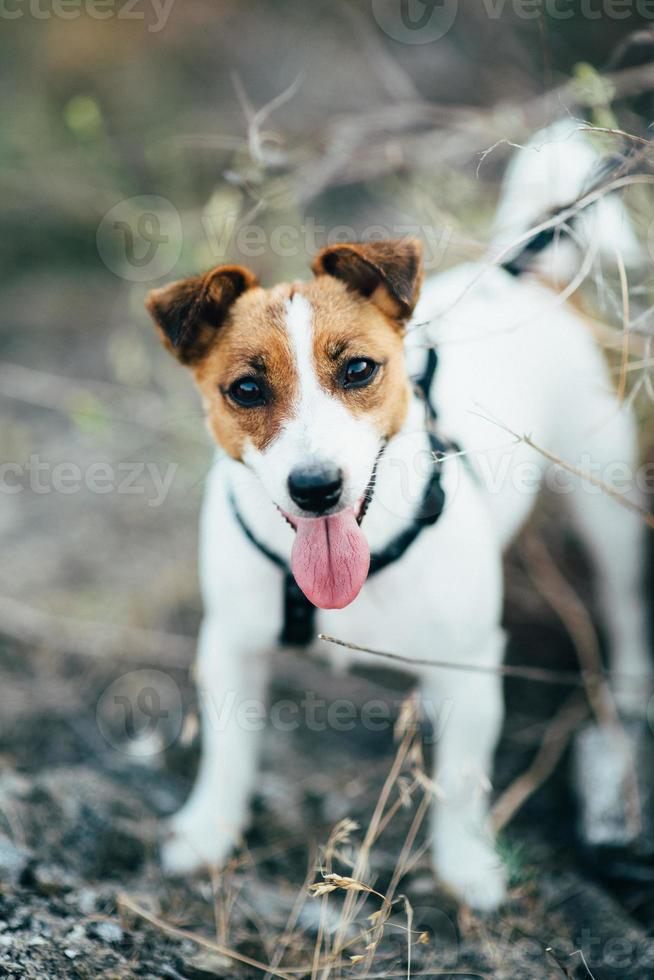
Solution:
(231, 681)
(471, 712)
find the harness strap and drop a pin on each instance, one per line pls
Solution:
(299, 615)
(299, 612)
(430, 509)
(424, 382)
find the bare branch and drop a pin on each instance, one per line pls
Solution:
(584, 475)
(541, 675)
(552, 747)
(126, 905)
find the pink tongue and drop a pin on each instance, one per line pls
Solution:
(330, 559)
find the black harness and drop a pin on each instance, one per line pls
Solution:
(299, 612)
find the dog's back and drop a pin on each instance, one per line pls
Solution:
(515, 358)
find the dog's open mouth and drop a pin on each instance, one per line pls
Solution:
(330, 557)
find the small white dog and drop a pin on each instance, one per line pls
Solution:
(324, 493)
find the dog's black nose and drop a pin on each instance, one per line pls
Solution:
(316, 488)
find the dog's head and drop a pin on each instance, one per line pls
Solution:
(304, 383)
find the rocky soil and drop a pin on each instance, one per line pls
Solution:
(81, 798)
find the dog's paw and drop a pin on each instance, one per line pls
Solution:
(474, 874)
(193, 839)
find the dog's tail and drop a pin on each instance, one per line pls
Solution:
(553, 177)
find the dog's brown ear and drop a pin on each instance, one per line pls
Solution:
(388, 272)
(189, 312)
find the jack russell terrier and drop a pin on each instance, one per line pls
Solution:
(321, 515)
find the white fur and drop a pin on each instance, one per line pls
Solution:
(556, 166)
(509, 355)
(320, 430)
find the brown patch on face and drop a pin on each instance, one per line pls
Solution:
(225, 328)
(348, 326)
(253, 343)
(190, 312)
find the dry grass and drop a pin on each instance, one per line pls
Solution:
(359, 933)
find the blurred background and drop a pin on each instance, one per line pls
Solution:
(148, 140)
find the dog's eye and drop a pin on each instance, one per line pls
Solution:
(247, 392)
(359, 372)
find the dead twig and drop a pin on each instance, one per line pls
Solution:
(542, 675)
(407, 726)
(554, 959)
(624, 359)
(555, 741)
(398, 872)
(366, 146)
(339, 836)
(126, 904)
(562, 217)
(577, 471)
(291, 923)
(563, 599)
